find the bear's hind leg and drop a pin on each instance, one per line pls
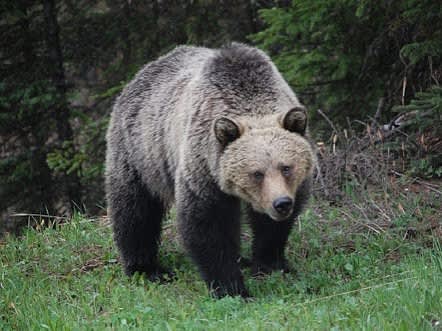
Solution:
(136, 215)
(269, 242)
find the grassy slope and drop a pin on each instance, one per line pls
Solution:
(68, 279)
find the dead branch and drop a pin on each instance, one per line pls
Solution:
(320, 112)
(377, 115)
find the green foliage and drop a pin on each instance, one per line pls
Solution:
(25, 126)
(426, 128)
(429, 101)
(342, 56)
(25, 105)
(112, 91)
(424, 168)
(87, 159)
(417, 51)
(16, 169)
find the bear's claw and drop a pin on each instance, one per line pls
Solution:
(244, 262)
(222, 291)
(261, 269)
(157, 274)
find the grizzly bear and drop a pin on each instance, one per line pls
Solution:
(208, 130)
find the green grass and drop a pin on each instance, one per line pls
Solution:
(68, 278)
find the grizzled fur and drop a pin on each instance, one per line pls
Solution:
(189, 129)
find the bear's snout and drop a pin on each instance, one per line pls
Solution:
(283, 205)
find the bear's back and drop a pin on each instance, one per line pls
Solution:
(156, 79)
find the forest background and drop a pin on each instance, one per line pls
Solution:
(368, 71)
(365, 255)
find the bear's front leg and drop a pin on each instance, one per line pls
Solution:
(210, 228)
(269, 242)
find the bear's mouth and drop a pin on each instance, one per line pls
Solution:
(278, 217)
(272, 213)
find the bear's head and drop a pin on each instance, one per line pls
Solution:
(265, 159)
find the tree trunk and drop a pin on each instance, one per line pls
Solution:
(69, 191)
(156, 46)
(251, 8)
(42, 184)
(125, 34)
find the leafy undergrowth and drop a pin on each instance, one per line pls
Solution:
(67, 278)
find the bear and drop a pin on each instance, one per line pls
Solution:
(219, 134)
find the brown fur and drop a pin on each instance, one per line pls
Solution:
(265, 147)
(191, 129)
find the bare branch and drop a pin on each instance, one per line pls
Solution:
(320, 112)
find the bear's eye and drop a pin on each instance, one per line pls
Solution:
(286, 171)
(258, 175)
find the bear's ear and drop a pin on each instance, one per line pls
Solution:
(295, 120)
(227, 130)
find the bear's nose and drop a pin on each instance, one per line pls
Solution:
(283, 205)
